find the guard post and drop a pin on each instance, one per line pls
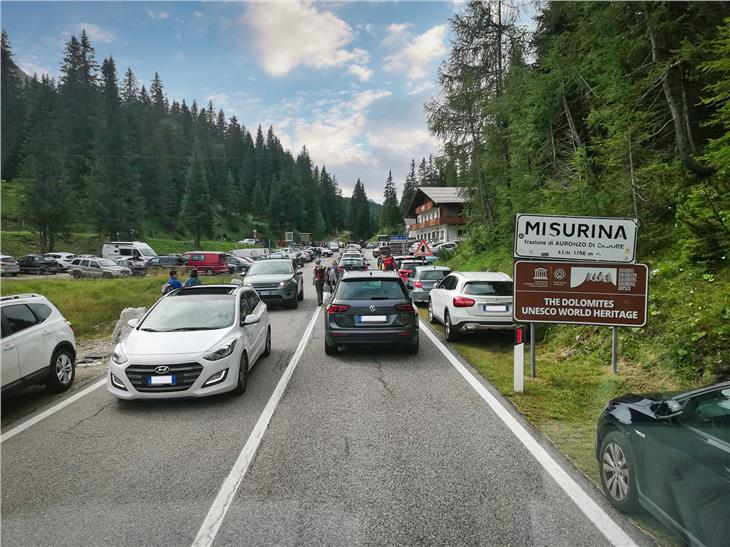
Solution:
(519, 359)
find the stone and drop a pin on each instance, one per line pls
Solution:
(122, 329)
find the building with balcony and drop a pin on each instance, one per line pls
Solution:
(439, 214)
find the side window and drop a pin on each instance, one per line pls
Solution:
(125, 252)
(94, 264)
(253, 300)
(41, 311)
(75, 262)
(709, 412)
(19, 317)
(85, 263)
(245, 307)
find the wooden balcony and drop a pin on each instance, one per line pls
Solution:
(441, 221)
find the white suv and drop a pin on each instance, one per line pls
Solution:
(471, 301)
(38, 344)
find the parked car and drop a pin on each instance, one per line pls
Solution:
(670, 454)
(237, 265)
(471, 301)
(334, 246)
(248, 241)
(133, 249)
(325, 251)
(97, 267)
(351, 264)
(382, 250)
(208, 263)
(276, 281)
(422, 279)
(38, 265)
(406, 266)
(9, 266)
(370, 309)
(38, 345)
(251, 253)
(446, 247)
(166, 262)
(356, 255)
(194, 342)
(64, 259)
(137, 267)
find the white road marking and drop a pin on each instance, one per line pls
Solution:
(223, 500)
(46, 413)
(608, 527)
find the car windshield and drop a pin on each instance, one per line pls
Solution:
(268, 267)
(488, 288)
(371, 289)
(432, 275)
(146, 250)
(105, 262)
(191, 312)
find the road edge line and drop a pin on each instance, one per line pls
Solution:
(223, 500)
(46, 413)
(588, 506)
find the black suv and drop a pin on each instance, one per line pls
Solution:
(39, 265)
(370, 309)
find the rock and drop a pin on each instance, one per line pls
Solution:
(122, 329)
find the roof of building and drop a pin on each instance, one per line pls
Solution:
(437, 194)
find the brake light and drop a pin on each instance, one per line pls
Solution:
(341, 268)
(418, 284)
(337, 308)
(408, 308)
(463, 302)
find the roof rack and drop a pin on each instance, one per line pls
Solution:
(18, 296)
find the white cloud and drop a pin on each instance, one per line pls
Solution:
(290, 34)
(96, 33)
(31, 69)
(403, 140)
(418, 88)
(219, 100)
(416, 57)
(362, 72)
(155, 16)
(397, 33)
(197, 14)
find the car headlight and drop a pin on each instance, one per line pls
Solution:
(285, 284)
(118, 355)
(223, 351)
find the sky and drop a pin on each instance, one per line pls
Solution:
(348, 79)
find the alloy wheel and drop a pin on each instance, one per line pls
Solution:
(64, 368)
(615, 471)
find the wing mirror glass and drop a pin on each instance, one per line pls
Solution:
(133, 322)
(668, 409)
(299, 271)
(251, 320)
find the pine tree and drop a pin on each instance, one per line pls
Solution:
(390, 217)
(197, 211)
(409, 189)
(130, 89)
(13, 111)
(359, 213)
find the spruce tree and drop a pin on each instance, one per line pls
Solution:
(409, 189)
(390, 217)
(13, 111)
(197, 211)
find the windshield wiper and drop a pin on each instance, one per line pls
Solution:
(147, 329)
(179, 329)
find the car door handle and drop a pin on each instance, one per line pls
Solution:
(8, 347)
(45, 332)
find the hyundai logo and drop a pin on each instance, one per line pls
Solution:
(372, 308)
(163, 369)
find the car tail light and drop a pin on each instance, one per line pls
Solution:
(341, 268)
(463, 302)
(418, 284)
(337, 308)
(408, 308)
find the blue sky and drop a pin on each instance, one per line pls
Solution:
(348, 79)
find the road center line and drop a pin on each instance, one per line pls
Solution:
(46, 413)
(223, 500)
(595, 513)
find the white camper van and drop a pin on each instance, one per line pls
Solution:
(251, 253)
(127, 249)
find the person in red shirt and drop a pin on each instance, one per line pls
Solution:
(388, 264)
(320, 278)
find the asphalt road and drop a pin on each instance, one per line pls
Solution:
(363, 448)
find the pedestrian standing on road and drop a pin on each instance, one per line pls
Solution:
(332, 276)
(193, 280)
(320, 278)
(172, 283)
(388, 264)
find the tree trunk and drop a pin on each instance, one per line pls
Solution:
(632, 174)
(685, 111)
(577, 143)
(51, 239)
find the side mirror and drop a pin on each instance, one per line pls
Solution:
(251, 320)
(133, 322)
(299, 271)
(668, 409)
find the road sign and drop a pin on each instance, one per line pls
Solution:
(398, 238)
(423, 249)
(575, 238)
(590, 293)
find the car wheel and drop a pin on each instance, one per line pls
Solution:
(329, 349)
(300, 296)
(76, 274)
(451, 334)
(242, 375)
(294, 304)
(106, 275)
(62, 371)
(412, 348)
(617, 471)
(267, 347)
(431, 316)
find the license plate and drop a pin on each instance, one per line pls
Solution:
(160, 380)
(372, 318)
(264, 293)
(488, 307)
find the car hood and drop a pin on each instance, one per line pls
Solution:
(642, 399)
(166, 343)
(267, 278)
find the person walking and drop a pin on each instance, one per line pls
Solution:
(320, 278)
(193, 280)
(388, 264)
(332, 276)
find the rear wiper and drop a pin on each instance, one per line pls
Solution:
(379, 298)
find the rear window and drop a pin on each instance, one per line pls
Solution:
(488, 288)
(371, 289)
(433, 275)
(409, 265)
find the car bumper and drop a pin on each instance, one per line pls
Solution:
(475, 324)
(419, 295)
(274, 296)
(371, 336)
(9, 270)
(195, 390)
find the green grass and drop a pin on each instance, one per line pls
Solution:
(93, 305)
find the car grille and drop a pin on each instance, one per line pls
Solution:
(265, 285)
(186, 374)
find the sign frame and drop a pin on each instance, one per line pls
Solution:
(547, 218)
(426, 249)
(567, 320)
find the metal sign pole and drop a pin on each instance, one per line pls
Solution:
(533, 371)
(614, 356)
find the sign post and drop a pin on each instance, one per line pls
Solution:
(533, 369)
(423, 249)
(519, 359)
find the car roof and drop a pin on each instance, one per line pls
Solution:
(433, 268)
(210, 289)
(484, 276)
(19, 298)
(371, 274)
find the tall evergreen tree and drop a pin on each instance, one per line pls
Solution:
(360, 213)
(390, 217)
(197, 211)
(409, 189)
(13, 111)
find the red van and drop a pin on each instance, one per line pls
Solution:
(207, 263)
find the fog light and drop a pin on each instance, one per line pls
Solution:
(217, 378)
(117, 383)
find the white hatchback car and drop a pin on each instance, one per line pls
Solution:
(38, 344)
(194, 342)
(471, 301)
